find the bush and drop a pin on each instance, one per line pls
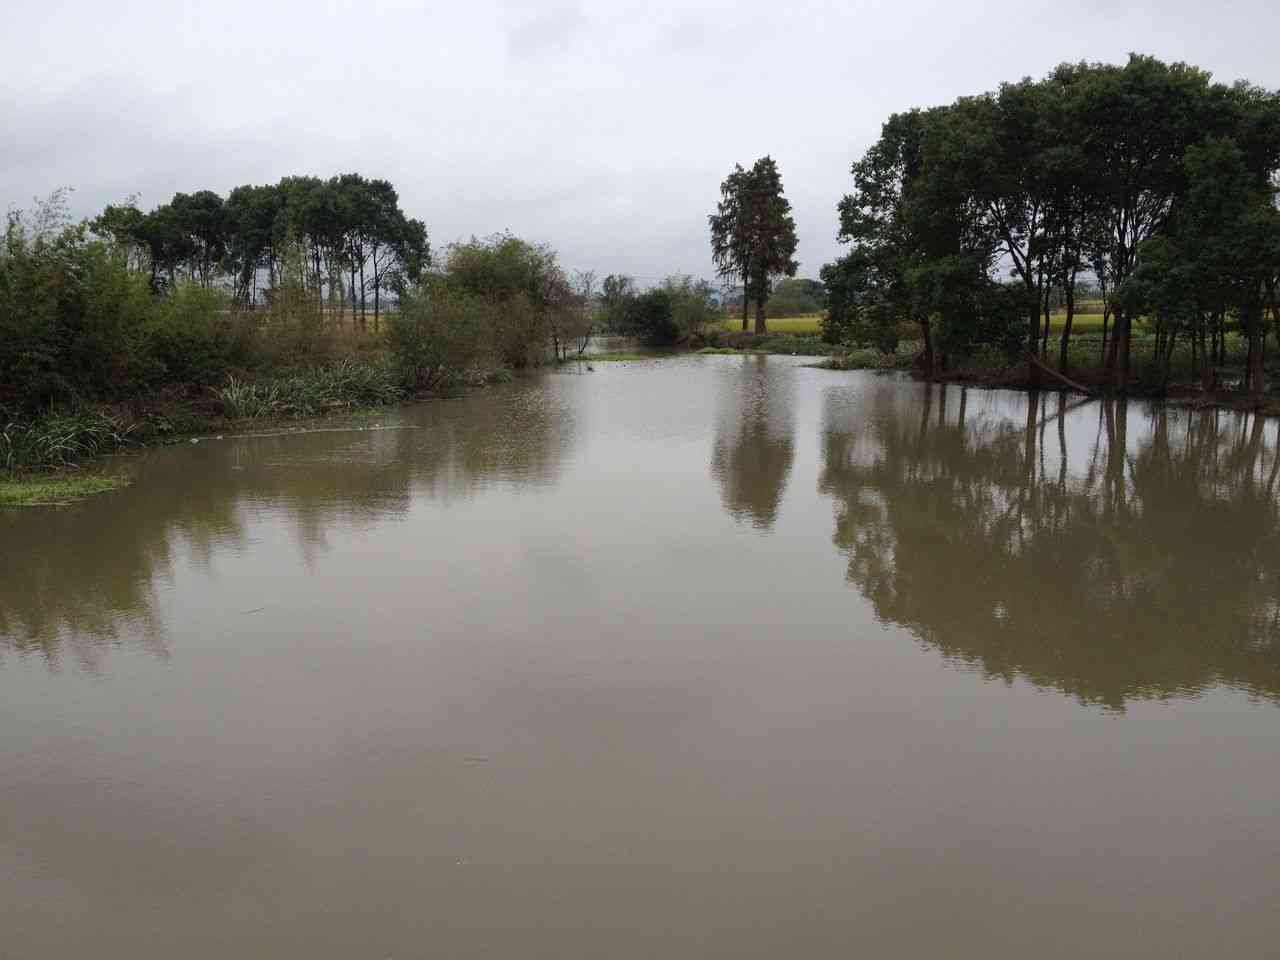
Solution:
(194, 337)
(692, 308)
(440, 334)
(71, 313)
(651, 318)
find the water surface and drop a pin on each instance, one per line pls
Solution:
(710, 656)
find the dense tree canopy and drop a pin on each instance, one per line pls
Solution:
(356, 241)
(959, 213)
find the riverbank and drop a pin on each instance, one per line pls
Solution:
(50, 458)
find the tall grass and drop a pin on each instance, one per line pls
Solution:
(61, 439)
(345, 384)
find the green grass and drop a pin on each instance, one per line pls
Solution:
(54, 489)
(1080, 323)
(808, 324)
(343, 385)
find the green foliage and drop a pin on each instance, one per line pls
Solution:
(797, 297)
(1094, 169)
(693, 309)
(440, 334)
(60, 439)
(521, 281)
(192, 337)
(679, 309)
(651, 318)
(753, 235)
(617, 292)
(70, 312)
(344, 385)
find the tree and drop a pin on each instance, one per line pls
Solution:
(202, 218)
(616, 293)
(525, 278)
(881, 219)
(584, 319)
(753, 235)
(1222, 252)
(731, 232)
(1142, 118)
(122, 225)
(253, 214)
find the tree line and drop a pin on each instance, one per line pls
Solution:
(1148, 180)
(350, 233)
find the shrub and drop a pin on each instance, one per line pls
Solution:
(70, 313)
(651, 318)
(439, 334)
(194, 337)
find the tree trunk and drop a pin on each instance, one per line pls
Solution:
(1113, 347)
(745, 286)
(1033, 339)
(377, 286)
(1066, 326)
(760, 325)
(1106, 315)
(353, 295)
(927, 336)
(1257, 374)
(1044, 340)
(364, 323)
(1124, 331)
(1168, 359)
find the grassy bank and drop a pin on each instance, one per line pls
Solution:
(40, 455)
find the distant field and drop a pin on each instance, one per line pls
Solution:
(805, 324)
(809, 324)
(1080, 323)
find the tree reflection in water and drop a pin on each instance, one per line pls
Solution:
(753, 448)
(1066, 543)
(82, 579)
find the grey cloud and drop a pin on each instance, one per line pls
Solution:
(601, 127)
(547, 33)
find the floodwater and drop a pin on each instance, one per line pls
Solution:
(703, 657)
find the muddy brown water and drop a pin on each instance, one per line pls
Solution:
(704, 657)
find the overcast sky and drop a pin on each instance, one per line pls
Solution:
(603, 128)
